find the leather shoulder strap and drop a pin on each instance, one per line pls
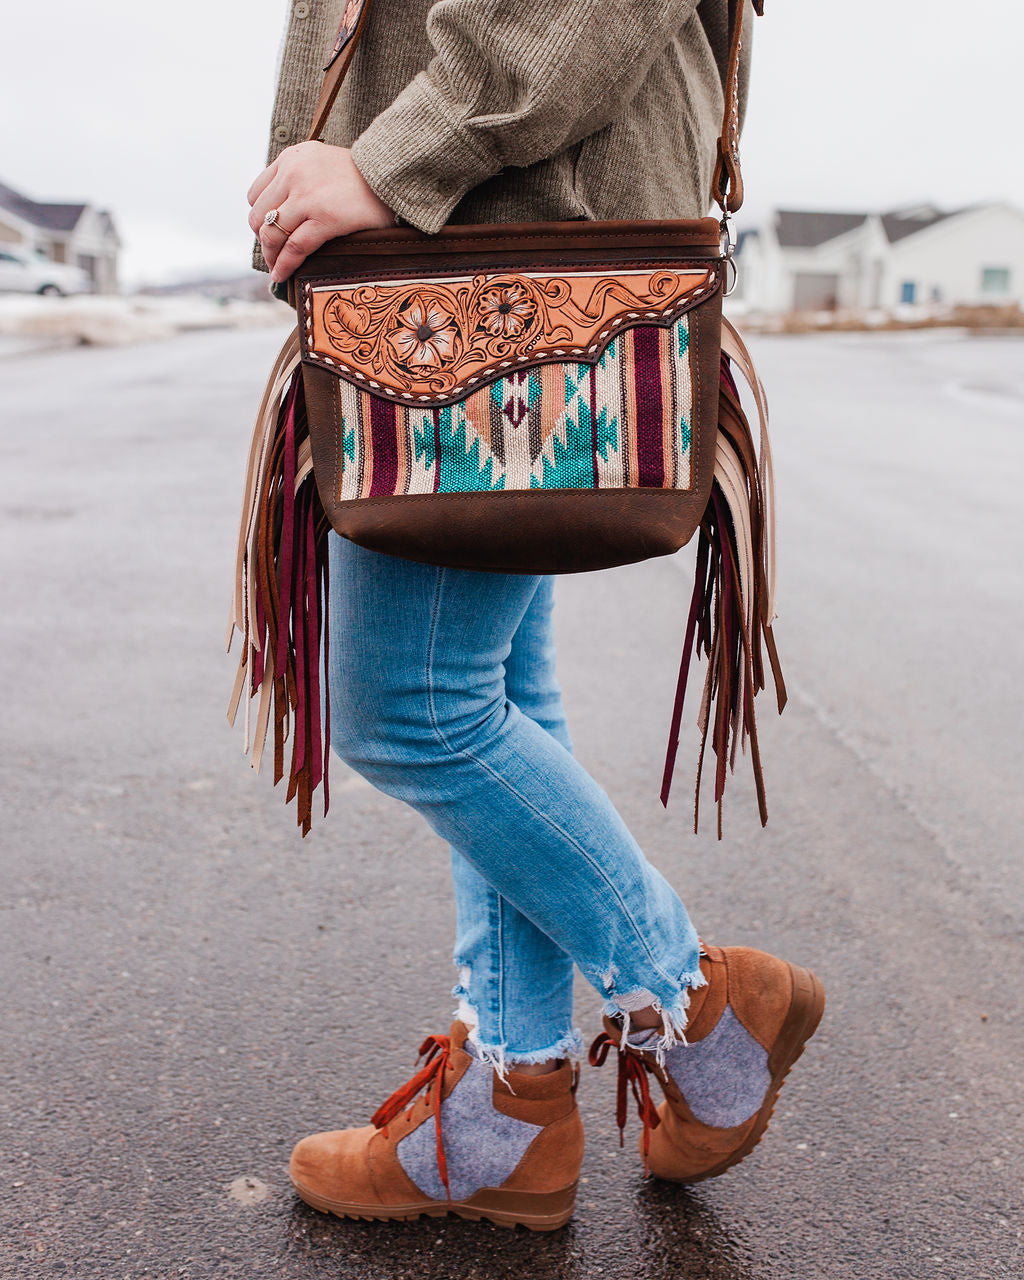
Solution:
(727, 183)
(352, 26)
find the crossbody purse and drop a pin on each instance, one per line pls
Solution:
(519, 398)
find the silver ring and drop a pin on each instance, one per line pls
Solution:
(270, 220)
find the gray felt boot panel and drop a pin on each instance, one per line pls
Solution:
(481, 1145)
(723, 1077)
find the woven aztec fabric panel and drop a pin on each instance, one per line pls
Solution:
(624, 422)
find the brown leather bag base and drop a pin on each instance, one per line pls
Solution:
(529, 532)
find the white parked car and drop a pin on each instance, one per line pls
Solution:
(23, 272)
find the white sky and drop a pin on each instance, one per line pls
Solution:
(160, 114)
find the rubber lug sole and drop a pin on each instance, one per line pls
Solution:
(536, 1211)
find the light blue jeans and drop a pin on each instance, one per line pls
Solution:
(444, 695)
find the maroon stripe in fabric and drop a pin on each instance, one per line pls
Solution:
(437, 450)
(592, 377)
(649, 407)
(383, 416)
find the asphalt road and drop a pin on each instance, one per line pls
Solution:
(188, 988)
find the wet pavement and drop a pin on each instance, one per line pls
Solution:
(188, 987)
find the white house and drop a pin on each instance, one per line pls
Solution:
(814, 261)
(79, 234)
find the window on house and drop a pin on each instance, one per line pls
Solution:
(995, 279)
(908, 290)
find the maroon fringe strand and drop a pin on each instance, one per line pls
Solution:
(729, 620)
(281, 595)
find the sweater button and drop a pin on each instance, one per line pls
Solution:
(301, 10)
(282, 133)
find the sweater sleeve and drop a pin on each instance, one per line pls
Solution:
(511, 82)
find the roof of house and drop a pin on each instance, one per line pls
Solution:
(49, 216)
(904, 222)
(805, 229)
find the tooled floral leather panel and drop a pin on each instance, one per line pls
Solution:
(434, 340)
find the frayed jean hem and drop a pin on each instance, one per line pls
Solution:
(503, 1059)
(622, 1005)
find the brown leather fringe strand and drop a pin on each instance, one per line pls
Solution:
(281, 594)
(732, 605)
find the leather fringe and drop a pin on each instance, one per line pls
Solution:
(733, 603)
(281, 592)
(280, 598)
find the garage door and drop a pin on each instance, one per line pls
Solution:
(815, 291)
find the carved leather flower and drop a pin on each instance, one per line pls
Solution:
(506, 310)
(425, 335)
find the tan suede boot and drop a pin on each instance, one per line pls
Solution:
(471, 1144)
(744, 1031)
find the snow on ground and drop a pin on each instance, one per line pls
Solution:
(30, 321)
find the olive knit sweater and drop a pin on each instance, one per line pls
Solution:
(519, 110)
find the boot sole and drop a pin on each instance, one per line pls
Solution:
(535, 1210)
(805, 1011)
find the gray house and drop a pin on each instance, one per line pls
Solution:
(811, 260)
(78, 234)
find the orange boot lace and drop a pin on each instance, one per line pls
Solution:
(632, 1077)
(436, 1051)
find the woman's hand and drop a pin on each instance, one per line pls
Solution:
(318, 193)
